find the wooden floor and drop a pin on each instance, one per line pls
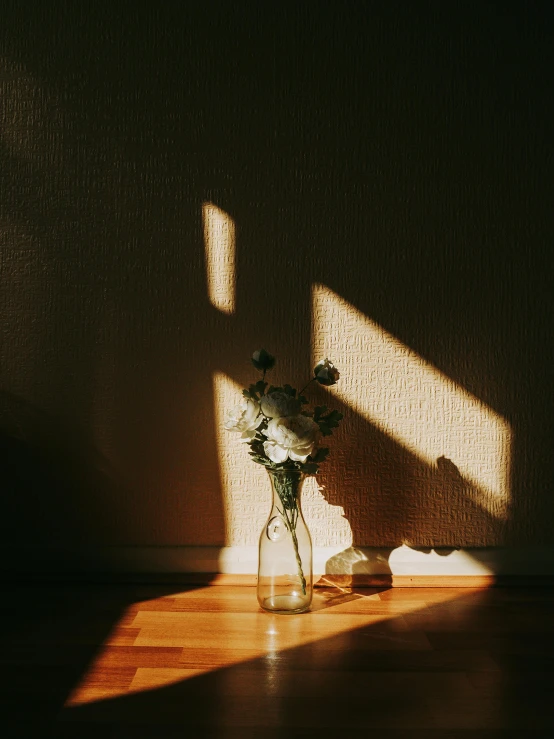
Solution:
(127, 662)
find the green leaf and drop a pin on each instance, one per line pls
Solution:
(303, 399)
(259, 459)
(260, 387)
(328, 422)
(289, 390)
(310, 468)
(319, 410)
(321, 455)
(257, 446)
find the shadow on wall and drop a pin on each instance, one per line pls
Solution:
(395, 156)
(412, 504)
(54, 475)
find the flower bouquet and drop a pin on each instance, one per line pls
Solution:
(284, 433)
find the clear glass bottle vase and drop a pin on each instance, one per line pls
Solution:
(285, 553)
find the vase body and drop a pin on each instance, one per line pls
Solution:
(285, 552)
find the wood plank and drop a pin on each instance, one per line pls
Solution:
(207, 661)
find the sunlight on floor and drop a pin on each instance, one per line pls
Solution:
(412, 401)
(194, 641)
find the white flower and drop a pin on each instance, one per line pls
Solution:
(278, 404)
(244, 418)
(294, 437)
(326, 373)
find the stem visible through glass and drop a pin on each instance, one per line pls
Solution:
(287, 490)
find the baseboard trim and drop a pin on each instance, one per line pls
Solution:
(340, 582)
(353, 566)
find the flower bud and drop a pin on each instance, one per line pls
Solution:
(262, 360)
(326, 373)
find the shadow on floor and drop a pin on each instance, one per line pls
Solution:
(443, 663)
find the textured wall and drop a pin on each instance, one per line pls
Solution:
(398, 155)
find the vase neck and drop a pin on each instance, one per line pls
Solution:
(287, 487)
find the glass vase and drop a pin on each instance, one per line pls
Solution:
(285, 553)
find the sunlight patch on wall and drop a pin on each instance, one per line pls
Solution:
(409, 399)
(244, 487)
(246, 490)
(327, 523)
(219, 246)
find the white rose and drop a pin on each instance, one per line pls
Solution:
(293, 438)
(244, 418)
(326, 373)
(279, 404)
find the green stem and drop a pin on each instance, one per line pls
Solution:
(305, 386)
(292, 501)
